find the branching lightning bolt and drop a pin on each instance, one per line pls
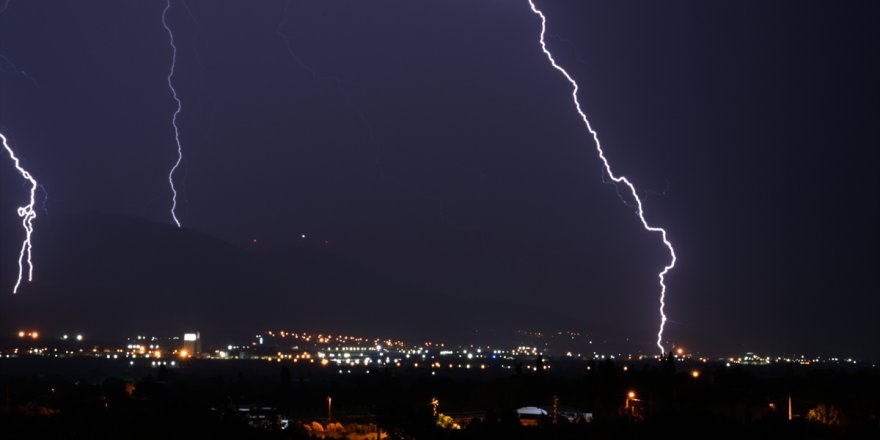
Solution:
(6, 64)
(174, 117)
(27, 214)
(279, 30)
(617, 179)
(338, 82)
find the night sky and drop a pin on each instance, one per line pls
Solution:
(431, 143)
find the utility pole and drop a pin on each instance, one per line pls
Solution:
(555, 410)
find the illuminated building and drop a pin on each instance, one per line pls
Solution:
(192, 344)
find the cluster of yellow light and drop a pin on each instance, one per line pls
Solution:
(42, 351)
(536, 334)
(525, 351)
(29, 334)
(321, 338)
(571, 335)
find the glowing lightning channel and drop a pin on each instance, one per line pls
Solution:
(27, 214)
(617, 179)
(174, 117)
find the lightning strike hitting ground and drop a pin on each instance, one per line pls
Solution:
(174, 117)
(27, 214)
(617, 179)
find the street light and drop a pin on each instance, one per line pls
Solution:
(630, 396)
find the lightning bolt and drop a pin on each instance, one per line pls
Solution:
(27, 214)
(6, 65)
(617, 179)
(279, 30)
(338, 82)
(176, 113)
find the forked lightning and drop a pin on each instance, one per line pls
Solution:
(27, 214)
(617, 179)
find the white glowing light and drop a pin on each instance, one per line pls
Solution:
(27, 214)
(174, 117)
(616, 179)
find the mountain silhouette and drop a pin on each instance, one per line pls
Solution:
(117, 277)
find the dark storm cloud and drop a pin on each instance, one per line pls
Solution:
(445, 152)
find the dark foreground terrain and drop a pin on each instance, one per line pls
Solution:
(99, 398)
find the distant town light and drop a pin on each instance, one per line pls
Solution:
(79, 337)
(695, 374)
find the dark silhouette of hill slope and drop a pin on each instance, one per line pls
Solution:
(118, 276)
